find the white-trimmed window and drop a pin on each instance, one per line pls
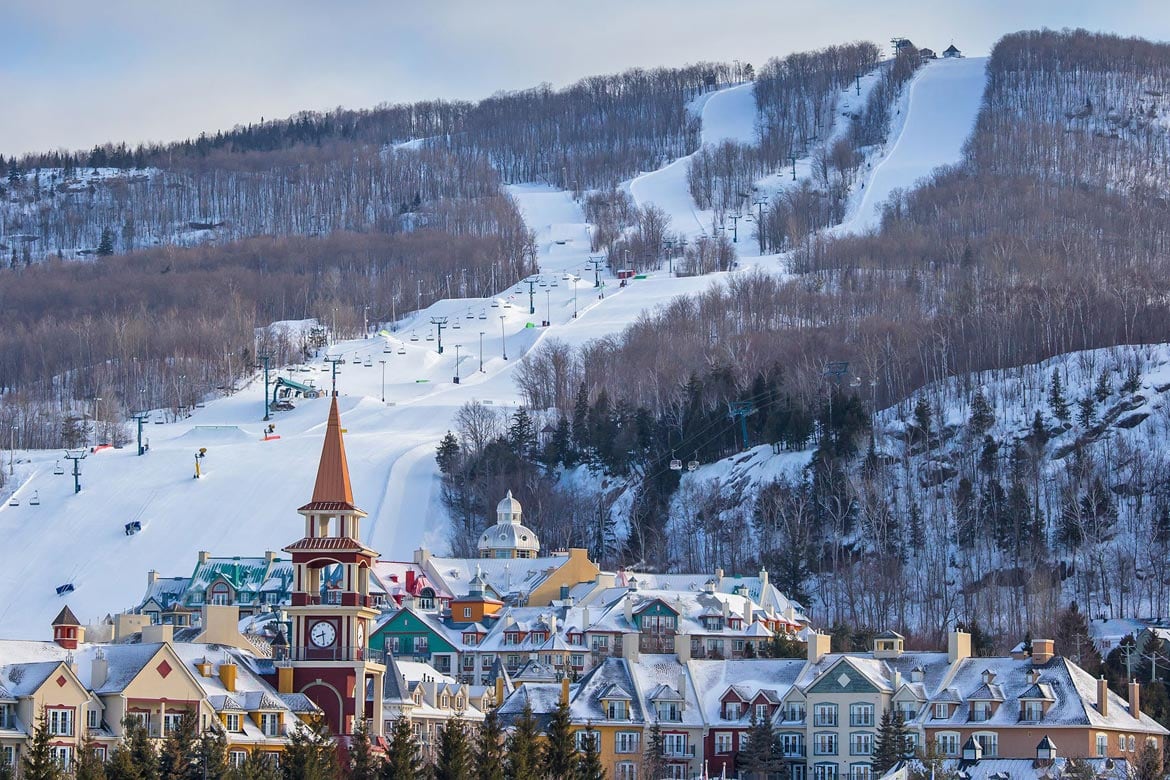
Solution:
(792, 744)
(731, 710)
(615, 709)
(794, 712)
(93, 718)
(948, 743)
(237, 758)
(5, 716)
(171, 722)
(60, 722)
(628, 742)
(581, 739)
(674, 745)
(989, 741)
(722, 742)
(942, 710)
(467, 612)
(627, 770)
(824, 743)
(761, 713)
(825, 772)
(1033, 711)
(980, 711)
(270, 723)
(669, 711)
(8, 755)
(233, 722)
(1102, 745)
(860, 743)
(1132, 743)
(63, 755)
(860, 714)
(825, 715)
(860, 772)
(677, 771)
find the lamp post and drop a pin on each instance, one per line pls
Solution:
(481, 351)
(383, 362)
(457, 348)
(11, 450)
(547, 308)
(503, 344)
(96, 401)
(575, 280)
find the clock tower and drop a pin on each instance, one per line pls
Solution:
(332, 611)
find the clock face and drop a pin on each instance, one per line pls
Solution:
(322, 633)
(361, 635)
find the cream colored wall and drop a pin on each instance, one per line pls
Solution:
(576, 569)
(50, 694)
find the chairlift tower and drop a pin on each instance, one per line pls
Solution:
(76, 456)
(742, 410)
(531, 293)
(596, 263)
(334, 362)
(439, 323)
(264, 358)
(141, 418)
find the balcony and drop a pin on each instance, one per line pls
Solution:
(676, 751)
(825, 720)
(312, 653)
(344, 599)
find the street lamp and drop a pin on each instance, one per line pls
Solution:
(575, 280)
(481, 351)
(547, 308)
(383, 362)
(503, 344)
(457, 348)
(11, 450)
(96, 401)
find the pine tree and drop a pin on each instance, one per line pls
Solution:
(453, 761)
(523, 751)
(892, 742)
(258, 765)
(38, 762)
(403, 761)
(447, 455)
(363, 763)
(7, 770)
(89, 764)
(177, 760)
(522, 434)
(121, 765)
(1133, 379)
(589, 767)
(654, 760)
(1104, 387)
(1086, 411)
(1072, 634)
(1057, 404)
(489, 754)
(1038, 436)
(310, 754)
(105, 246)
(761, 759)
(989, 455)
(982, 417)
(136, 739)
(922, 416)
(580, 426)
(560, 754)
(213, 755)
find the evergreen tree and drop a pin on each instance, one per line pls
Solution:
(560, 754)
(137, 741)
(178, 758)
(38, 762)
(1087, 411)
(761, 759)
(580, 426)
(403, 761)
(560, 446)
(780, 646)
(966, 517)
(932, 764)
(1077, 768)
(213, 755)
(7, 771)
(447, 455)
(89, 764)
(922, 417)
(589, 767)
(105, 246)
(892, 742)
(982, 417)
(363, 762)
(522, 434)
(453, 761)
(1133, 379)
(121, 766)
(310, 754)
(653, 761)
(1057, 404)
(1038, 436)
(258, 765)
(489, 754)
(1104, 387)
(1072, 635)
(523, 751)
(989, 455)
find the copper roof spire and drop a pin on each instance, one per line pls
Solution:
(333, 485)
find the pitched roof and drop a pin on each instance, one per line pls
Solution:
(332, 487)
(66, 618)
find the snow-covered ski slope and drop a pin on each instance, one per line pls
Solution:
(246, 501)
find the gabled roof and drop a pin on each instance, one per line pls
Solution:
(613, 691)
(664, 692)
(987, 692)
(66, 618)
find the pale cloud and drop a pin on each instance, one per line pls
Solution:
(75, 73)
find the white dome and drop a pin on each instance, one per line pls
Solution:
(509, 536)
(508, 510)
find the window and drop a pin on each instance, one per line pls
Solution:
(62, 755)
(980, 711)
(669, 711)
(5, 716)
(8, 755)
(469, 663)
(948, 743)
(61, 722)
(600, 644)
(470, 638)
(860, 772)
(860, 743)
(1033, 711)
(860, 714)
(731, 710)
(628, 741)
(824, 743)
(715, 646)
(171, 722)
(219, 595)
(143, 719)
(794, 712)
(797, 771)
(513, 661)
(420, 645)
(627, 770)
(911, 742)
(989, 742)
(582, 738)
(792, 744)
(738, 645)
(761, 712)
(677, 771)
(674, 745)
(232, 722)
(467, 612)
(237, 758)
(577, 660)
(426, 598)
(942, 710)
(93, 718)
(722, 742)
(825, 715)
(1132, 743)
(615, 710)
(442, 663)
(825, 772)
(270, 723)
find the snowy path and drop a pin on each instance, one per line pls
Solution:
(246, 502)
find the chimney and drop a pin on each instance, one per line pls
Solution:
(270, 556)
(158, 633)
(682, 687)
(284, 679)
(896, 680)
(682, 647)
(1102, 695)
(818, 646)
(763, 578)
(719, 575)
(151, 577)
(552, 626)
(747, 612)
(726, 610)
(630, 648)
(917, 674)
(227, 676)
(204, 556)
(1042, 651)
(1135, 709)
(584, 619)
(500, 689)
(628, 605)
(958, 646)
(204, 667)
(565, 691)
(99, 670)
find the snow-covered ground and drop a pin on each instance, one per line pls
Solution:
(247, 498)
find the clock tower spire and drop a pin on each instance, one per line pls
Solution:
(331, 609)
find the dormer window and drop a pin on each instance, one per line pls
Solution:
(539, 636)
(980, 711)
(616, 710)
(942, 710)
(669, 711)
(5, 716)
(233, 722)
(731, 710)
(270, 723)
(1032, 711)
(511, 638)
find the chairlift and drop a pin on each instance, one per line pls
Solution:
(402, 349)
(495, 304)
(14, 501)
(36, 499)
(63, 589)
(483, 314)
(675, 463)
(387, 350)
(470, 316)
(430, 337)
(58, 469)
(414, 337)
(369, 362)
(692, 465)
(133, 527)
(554, 283)
(456, 326)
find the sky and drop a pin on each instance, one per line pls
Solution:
(74, 73)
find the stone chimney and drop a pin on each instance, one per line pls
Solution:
(1135, 709)
(158, 633)
(99, 670)
(682, 647)
(1042, 651)
(1102, 694)
(818, 646)
(958, 646)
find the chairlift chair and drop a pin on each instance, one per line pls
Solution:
(430, 337)
(63, 589)
(414, 337)
(553, 283)
(369, 362)
(470, 316)
(387, 350)
(456, 326)
(495, 304)
(675, 463)
(14, 501)
(58, 469)
(692, 465)
(483, 314)
(402, 349)
(36, 499)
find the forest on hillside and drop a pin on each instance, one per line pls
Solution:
(1049, 238)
